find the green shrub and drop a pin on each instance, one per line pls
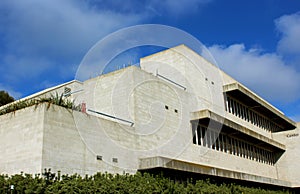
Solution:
(56, 99)
(123, 184)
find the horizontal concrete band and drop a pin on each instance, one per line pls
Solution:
(162, 162)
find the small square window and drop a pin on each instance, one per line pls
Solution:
(115, 160)
(176, 111)
(99, 157)
(166, 107)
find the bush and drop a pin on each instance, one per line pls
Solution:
(5, 98)
(108, 183)
(58, 100)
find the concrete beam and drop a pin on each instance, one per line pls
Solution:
(162, 162)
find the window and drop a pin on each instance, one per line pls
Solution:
(225, 143)
(115, 160)
(99, 157)
(242, 111)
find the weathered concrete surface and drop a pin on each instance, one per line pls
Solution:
(21, 139)
(146, 163)
(289, 163)
(156, 115)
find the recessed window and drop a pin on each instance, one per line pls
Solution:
(206, 79)
(166, 107)
(115, 160)
(212, 83)
(176, 111)
(99, 157)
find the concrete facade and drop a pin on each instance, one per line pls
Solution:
(177, 111)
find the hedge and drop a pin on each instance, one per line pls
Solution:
(109, 183)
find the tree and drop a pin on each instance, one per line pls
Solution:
(5, 98)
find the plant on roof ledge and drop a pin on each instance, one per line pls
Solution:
(56, 99)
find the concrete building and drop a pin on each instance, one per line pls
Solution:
(176, 112)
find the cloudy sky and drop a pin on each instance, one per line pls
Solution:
(257, 42)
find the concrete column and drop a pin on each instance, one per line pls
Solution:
(199, 133)
(194, 134)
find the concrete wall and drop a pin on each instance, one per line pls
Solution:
(140, 97)
(203, 80)
(21, 139)
(36, 138)
(208, 157)
(185, 67)
(159, 110)
(73, 140)
(70, 141)
(288, 165)
(204, 84)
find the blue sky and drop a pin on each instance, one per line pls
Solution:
(257, 42)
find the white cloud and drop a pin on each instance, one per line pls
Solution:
(289, 28)
(41, 36)
(44, 37)
(38, 37)
(58, 27)
(275, 76)
(265, 73)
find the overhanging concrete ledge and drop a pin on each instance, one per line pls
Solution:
(163, 162)
(252, 100)
(207, 114)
